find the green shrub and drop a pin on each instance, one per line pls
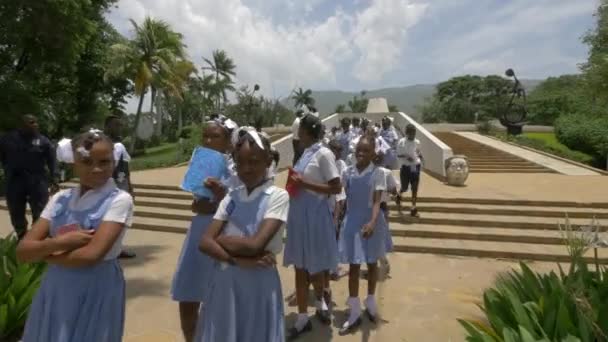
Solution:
(18, 285)
(584, 132)
(193, 138)
(524, 306)
(563, 152)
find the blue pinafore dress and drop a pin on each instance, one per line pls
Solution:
(354, 249)
(344, 140)
(194, 269)
(390, 157)
(81, 303)
(243, 304)
(311, 235)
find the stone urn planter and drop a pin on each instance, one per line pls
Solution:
(457, 170)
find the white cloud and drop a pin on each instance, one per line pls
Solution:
(283, 55)
(380, 33)
(366, 44)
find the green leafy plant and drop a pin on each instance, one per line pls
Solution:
(527, 306)
(18, 285)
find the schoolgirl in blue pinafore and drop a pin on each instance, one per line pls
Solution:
(390, 156)
(194, 269)
(311, 236)
(244, 304)
(354, 249)
(84, 303)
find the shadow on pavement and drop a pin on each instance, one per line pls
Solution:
(144, 254)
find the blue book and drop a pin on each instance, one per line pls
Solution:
(205, 163)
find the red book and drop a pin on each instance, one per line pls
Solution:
(292, 189)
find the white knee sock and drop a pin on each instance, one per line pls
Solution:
(301, 321)
(355, 310)
(321, 305)
(371, 306)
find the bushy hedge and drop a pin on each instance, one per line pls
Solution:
(585, 132)
(193, 136)
(543, 146)
(18, 285)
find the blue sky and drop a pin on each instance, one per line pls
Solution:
(368, 44)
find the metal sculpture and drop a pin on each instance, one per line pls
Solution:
(513, 118)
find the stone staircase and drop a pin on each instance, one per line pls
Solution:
(487, 228)
(486, 159)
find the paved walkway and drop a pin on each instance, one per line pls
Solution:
(555, 187)
(421, 300)
(552, 163)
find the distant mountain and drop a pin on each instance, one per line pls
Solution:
(408, 99)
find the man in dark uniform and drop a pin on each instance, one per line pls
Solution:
(121, 175)
(24, 154)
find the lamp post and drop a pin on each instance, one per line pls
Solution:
(513, 118)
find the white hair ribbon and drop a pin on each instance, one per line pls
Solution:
(96, 132)
(256, 137)
(64, 152)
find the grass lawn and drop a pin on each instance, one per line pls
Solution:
(160, 156)
(548, 138)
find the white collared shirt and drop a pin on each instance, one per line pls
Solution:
(120, 210)
(408, 148)
(321, 168)
(392, 184)
(278, 208)
(294, 129)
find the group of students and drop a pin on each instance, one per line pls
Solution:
(226, 280)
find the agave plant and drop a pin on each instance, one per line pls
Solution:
(526, 306)
(18, 284)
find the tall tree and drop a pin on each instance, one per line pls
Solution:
(223, 68)
(148, 60)
(596, 67)
(359, 103)
(340, 109)
(42, 52)
(461, 99)
(303, 97)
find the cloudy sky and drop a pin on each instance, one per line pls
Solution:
(369, 44)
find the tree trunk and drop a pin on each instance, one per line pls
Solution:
(180, 123)
(160, 101)
(136, 125)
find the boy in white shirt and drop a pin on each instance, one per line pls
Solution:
(410, 160)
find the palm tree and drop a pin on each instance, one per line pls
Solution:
(174, 86)
(148, 60)
(223, 68)
(303, 98)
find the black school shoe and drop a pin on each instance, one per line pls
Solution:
(350, 328)
(324, 316)
(414, 213)
(126, 255)
(293, 333)
(371, 317)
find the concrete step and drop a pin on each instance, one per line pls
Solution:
(504, 166)
(510, 202)
(495, 250)
(473, 209)
(502, 162)
(543, 237)
(161, 225)
(499, 221)
(512, 170)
